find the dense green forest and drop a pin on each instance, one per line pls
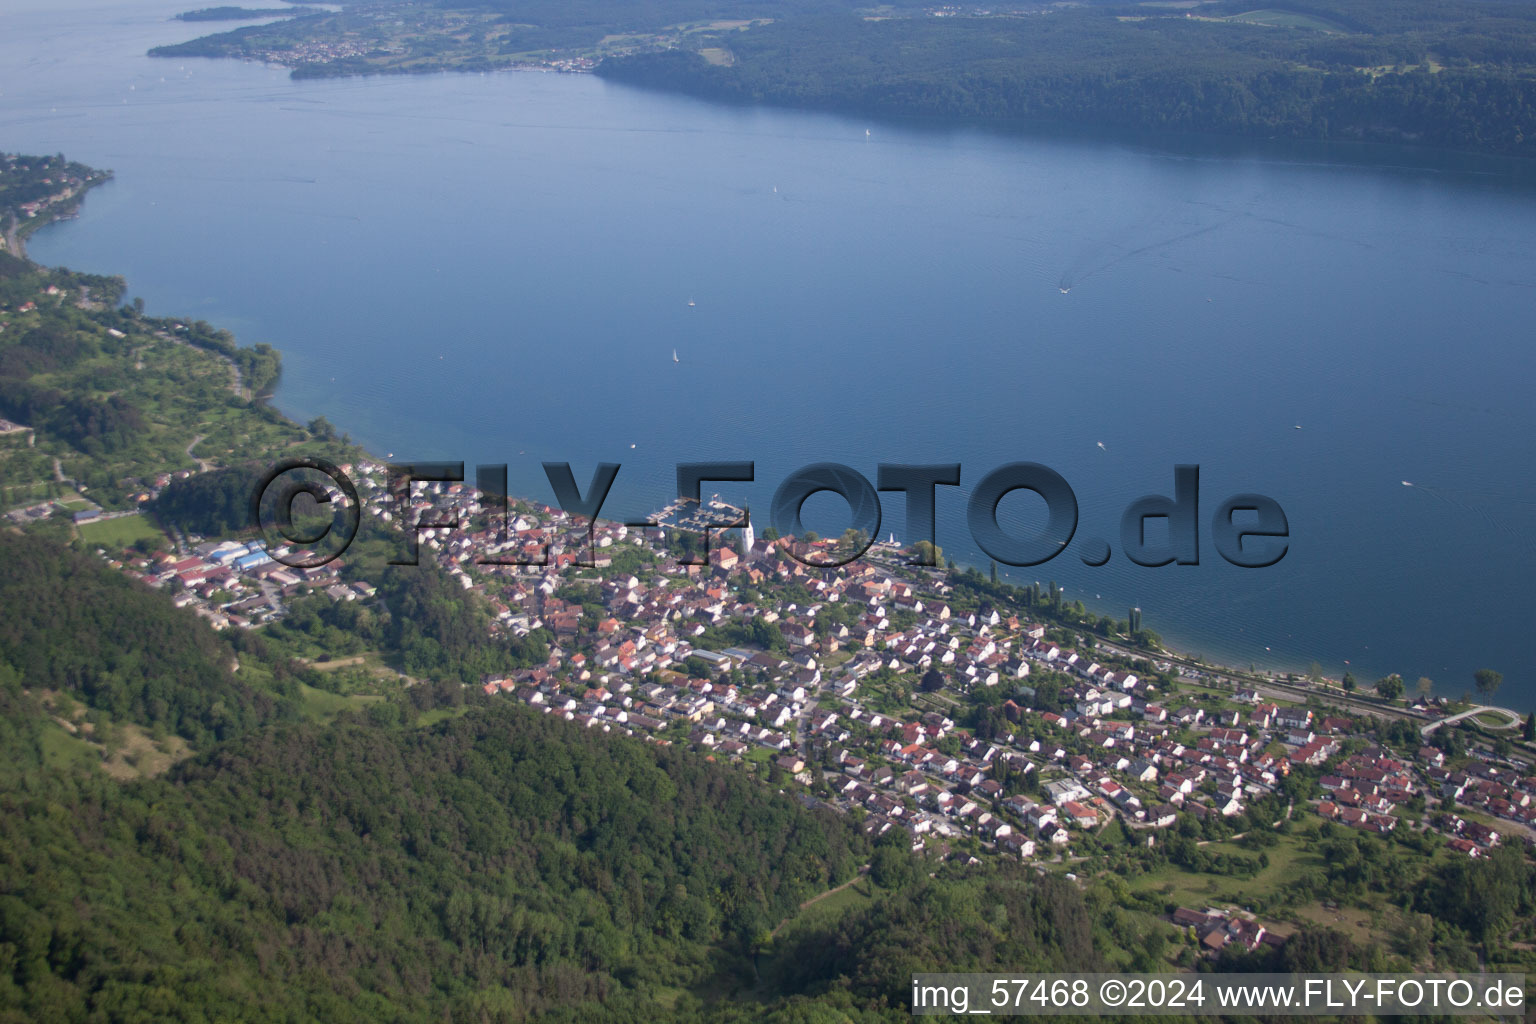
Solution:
(213, 504)
(488, 867)
(1007, 915)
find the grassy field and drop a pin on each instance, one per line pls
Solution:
(120, 533)
(1360, 925)
(322, 706)
(436, 715)
(859, 894)
(1287, 860)
(63, 750)
(336, 663)
(825, 910)
(137, 756)
(130, 752)
(1286, 19)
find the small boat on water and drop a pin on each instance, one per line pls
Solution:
(674, 355)
(690, 302)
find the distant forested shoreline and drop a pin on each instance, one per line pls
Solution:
(1095, 70)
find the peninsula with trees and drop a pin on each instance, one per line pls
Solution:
(234, 13)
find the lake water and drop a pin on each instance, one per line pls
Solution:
(498, 269)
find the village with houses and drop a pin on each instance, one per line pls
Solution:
(888, 691)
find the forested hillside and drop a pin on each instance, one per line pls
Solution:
(488, 867)
(1460, 75)
(74, 625)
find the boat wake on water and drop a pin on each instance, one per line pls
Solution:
(1107, 254)
(1491, 509)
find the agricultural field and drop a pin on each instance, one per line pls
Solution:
(119, 533)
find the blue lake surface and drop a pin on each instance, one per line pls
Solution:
(497, 268)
